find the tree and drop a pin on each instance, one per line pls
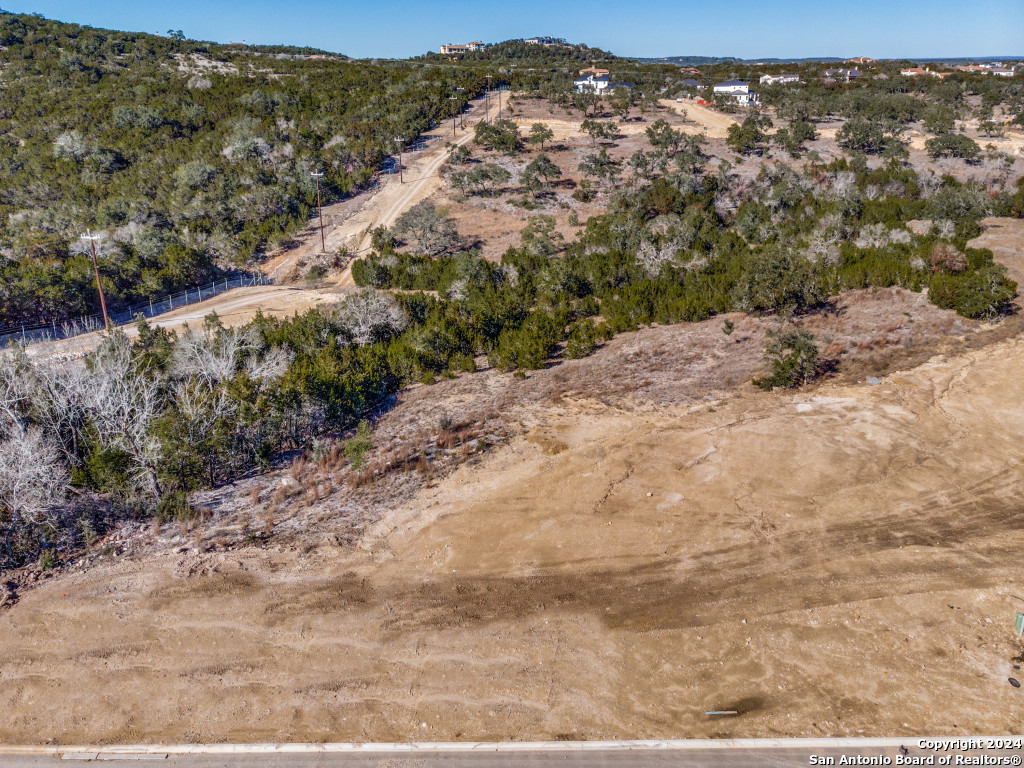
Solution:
(33, 479)
(528, 345)
(870, 136)
(122, 399)
(953, 145)
(369, 316)
(600, 166)
(664, 137)
(501, 136)
(792, 138)
(777, 278)
(746, 137)
(483, 178)
(939, 119)
(642, 164)
(540, 133)
(541, 168)
(792, 357)
(434, 232)
(458, 154)
(620, 101)
(985, 293)
(586, 101)
(597, 129)
(540, 237)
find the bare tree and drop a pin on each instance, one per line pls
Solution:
(212, 357)
(33, 480)
(122, 398)
(270, 366)
(204, 361)
(57, 403)
(369, 315)
(15, 389)
(652, 258)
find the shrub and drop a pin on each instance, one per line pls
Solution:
(985, 293)
(357, 446)
(792, 358)
(584, 336)
(527, 346)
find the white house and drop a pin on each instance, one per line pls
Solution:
(1001, 71)
(843, 74)
(738, 90)
(788, 77)
(452, 48)
(592, 83)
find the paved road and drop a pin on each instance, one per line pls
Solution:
(767, 754)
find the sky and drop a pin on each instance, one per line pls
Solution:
(747, 29)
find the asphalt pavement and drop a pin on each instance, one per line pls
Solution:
(748, 753)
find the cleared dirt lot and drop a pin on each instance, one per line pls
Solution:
(710, 122)
(842, 560)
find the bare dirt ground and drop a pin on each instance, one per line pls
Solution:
(710, 122)
(649, 543)
(494, 223)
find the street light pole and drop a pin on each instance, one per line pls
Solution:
(95, 265)
(401, 174)
(319, 210)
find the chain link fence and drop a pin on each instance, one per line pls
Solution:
(30, 333)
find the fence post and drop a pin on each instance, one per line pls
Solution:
(170, 300)
(22, 334)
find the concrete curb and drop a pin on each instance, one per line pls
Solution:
(478, 746)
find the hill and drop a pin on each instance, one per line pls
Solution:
(189, 157)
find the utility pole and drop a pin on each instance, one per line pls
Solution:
(401, 174)
(319, 210)
(487, 101)
(499, 102)
(103, 302)
(462, 112)
(455, 113)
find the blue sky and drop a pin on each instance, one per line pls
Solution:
(744, 28)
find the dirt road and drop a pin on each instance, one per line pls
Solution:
(395, 197)
(234, 307)
(706, 121)
(838, 561)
